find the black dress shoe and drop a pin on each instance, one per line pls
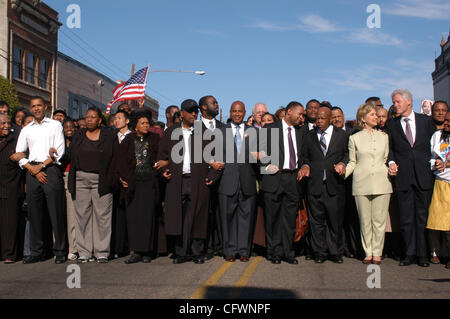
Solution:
(60, 259)
(146, 259)
(309, 257)
(291, 261)
(181, 260)
(337, 259)
(423, 262)
(276, 260)
(409, 260)
(198, 260)
(209, 256)
(32, 259)
(134, 258)
(320, 259)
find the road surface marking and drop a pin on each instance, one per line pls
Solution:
(200, 292)
(245, 278)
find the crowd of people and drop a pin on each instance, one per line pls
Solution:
(94, 189)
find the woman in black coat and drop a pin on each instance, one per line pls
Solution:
(135, 170)
(11, 190)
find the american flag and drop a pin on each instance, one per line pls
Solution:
(133, 89)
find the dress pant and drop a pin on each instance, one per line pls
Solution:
(51, 194)
(280, 216)
(141, 213)
(93, 216)
(185, 245)
(70, 218)
(119, 233)
(326, 218)
(373, 211)
(413, 207)
(9, 223)
(214, 233)
(236, 213)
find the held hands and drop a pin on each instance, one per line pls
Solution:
(167, 175)
(439, 164)
(393, 169)
(303, 172)
(217, 166)
(160, 164)
(124, 184)
(340, 169)
(273, 169)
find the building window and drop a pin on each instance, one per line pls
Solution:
(17, 62)
(75, 109)
(43, 73)
(31, 67)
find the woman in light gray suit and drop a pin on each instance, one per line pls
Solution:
(368, 152)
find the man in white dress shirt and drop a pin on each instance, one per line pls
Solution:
(44, 180)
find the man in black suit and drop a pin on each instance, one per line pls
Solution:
(280, 184)
(325, 155)
(409, 160)
(237, 188)
(352, 233)
(209, 107)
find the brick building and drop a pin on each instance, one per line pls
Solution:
(29, 48)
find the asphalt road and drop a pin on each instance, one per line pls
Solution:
(217, 279)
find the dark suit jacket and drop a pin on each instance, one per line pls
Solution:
(313, 156)
(413, 162)
(106, 147)
(200, 193)
(271, 183)
(239, 171)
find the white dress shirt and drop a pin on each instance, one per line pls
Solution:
(208, 123)
(38, 139)
(328, 134)
(286, 144)
(187, 132)
(311, 126)
(122, 136)
(412, 124)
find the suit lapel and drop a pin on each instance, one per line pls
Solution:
(398, 124)
(333, 140)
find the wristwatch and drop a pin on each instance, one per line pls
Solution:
(43, 166)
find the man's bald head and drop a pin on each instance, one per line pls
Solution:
(237, 112)
(323, 118)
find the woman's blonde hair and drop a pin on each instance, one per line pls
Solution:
(362, 112)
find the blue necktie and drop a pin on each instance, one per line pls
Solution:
(323, 146)
(238, 140)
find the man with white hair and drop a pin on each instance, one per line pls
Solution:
(409, 158)
(258, 111)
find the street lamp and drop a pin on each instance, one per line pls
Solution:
(179, 71)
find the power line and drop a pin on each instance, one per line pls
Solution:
(100, 54)
(87, 51)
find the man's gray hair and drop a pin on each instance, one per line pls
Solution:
(258, 104)
(404, 93)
